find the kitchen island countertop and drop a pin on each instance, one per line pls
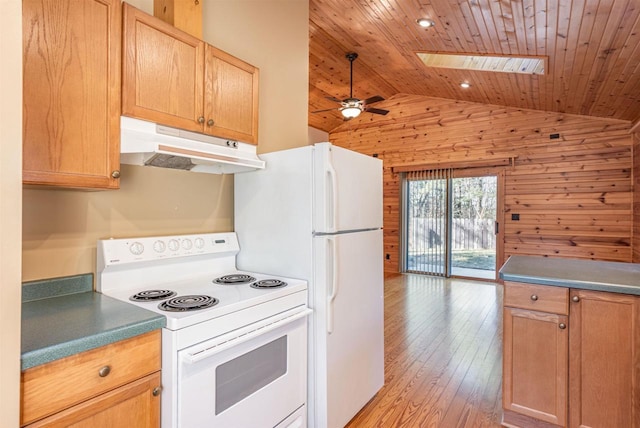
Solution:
(64, 316)
(614, 277)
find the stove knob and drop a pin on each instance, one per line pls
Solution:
(159, 246)
(199, 243)
(174, 245)
(187, 244)
(136, 248)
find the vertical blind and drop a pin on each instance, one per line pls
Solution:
(427, 226)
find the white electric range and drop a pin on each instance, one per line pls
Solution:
(234, 350)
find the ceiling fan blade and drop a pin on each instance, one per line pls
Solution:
(322, 111)
(376, 110)
(373, 99)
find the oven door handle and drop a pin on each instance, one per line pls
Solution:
(229, 340)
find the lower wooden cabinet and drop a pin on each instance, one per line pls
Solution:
(604, 365)
(570, 360)
(136, 404)
(116, 385)
(535, 365)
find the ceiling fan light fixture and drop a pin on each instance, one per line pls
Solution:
(465, 85)
(425, 22)
(350, 112)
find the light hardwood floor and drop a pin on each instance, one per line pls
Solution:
(443, 355)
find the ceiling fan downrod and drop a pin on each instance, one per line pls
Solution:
(351, 56)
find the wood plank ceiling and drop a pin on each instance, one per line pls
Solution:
(592, 46)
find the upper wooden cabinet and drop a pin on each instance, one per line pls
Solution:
(231, 97)
(162, 72)
(172, 78)
(71, 93)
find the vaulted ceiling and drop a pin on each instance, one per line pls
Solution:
(591, 48)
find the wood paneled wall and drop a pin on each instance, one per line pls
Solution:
(574, 193)
(636, 197)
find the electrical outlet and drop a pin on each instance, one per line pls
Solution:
(515, 217)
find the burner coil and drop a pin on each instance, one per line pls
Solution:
(150, 295)
(238, 278)
(269, 283)
(188, 303)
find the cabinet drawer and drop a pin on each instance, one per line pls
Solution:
(54, 386)
(541, 298)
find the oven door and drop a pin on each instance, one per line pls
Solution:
(255, 376)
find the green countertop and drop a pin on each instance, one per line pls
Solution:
(615, 277)
(64, 316)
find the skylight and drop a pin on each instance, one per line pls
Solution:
(498, 63)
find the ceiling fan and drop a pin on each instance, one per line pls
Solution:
(352, 107)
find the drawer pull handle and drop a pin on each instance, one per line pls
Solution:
(210, 122)
(534, 297)
(562, 326)
(104, 372)
(156, 391)
(575, 299)
(201, 119)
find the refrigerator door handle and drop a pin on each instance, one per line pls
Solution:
(332, 200)
(334, 283)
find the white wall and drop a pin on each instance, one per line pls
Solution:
(10, 208)
(144, 5)
(272, 35)
(317, 135)
(150, 201)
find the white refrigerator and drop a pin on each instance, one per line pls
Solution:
(315, 213)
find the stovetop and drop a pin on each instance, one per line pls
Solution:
(230, 297)
(188, 268)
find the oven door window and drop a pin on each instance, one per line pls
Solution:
(257, 382)
(246, 374)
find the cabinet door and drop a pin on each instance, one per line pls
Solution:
(71, 93)
(162, 72)
(136, 404)
(605, 359)
(231, 97)
(535, 365)
(48, 388)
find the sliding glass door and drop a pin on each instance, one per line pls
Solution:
(426, 222)
(473, 227)
(450, 223)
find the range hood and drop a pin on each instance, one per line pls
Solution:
(146, 143)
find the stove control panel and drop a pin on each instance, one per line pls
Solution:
(135, 250)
